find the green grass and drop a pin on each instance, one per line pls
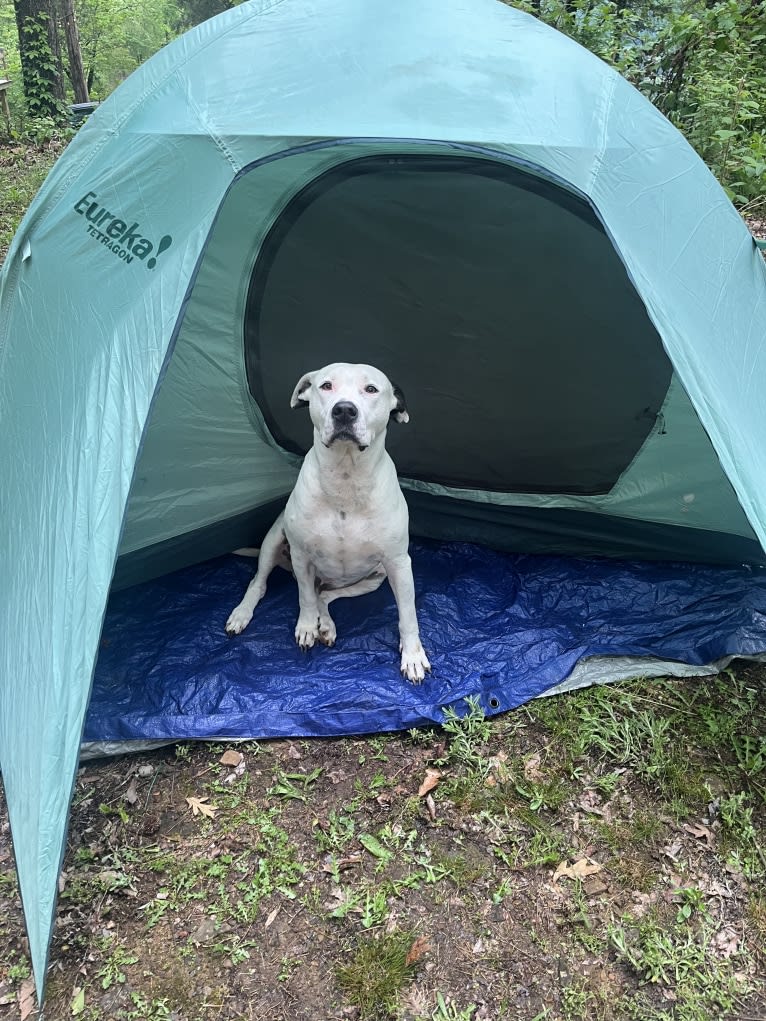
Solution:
(23, 168)
(376, 975)
(335, 841)
(680, 957)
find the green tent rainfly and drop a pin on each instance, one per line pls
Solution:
(453, 191)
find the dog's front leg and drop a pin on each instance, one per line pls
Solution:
(307, 628)
(414, 660)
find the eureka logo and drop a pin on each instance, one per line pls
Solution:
(125, 240)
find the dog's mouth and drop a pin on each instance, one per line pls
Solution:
(346, 436)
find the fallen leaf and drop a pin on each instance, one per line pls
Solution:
(341, 864)
(199, 807)
(131, 794)
(231, 757)
(419, 948)
(78, 1001)
(532, 769)
(714, 888)
(26, 999)
(673, 850)
(591, 803)
(431, 806)
(578, 870)
(374, 846)
(700, 832)
(433, 776)
(726, 942)
(272, 915)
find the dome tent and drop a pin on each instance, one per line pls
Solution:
(458, 194)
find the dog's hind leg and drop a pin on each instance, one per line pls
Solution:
(327, 632)
(274, 551)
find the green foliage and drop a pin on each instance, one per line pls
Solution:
(745, 852)
(39, 69)
(448, 1011)
(468, 736)
(681, 960)
(116, 38)
(193, 12)
(699, 61)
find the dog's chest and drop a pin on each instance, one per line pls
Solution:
(343, 547)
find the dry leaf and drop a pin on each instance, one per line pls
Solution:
(591, 803)
(673, 850)
(578, 870)
(341, 864)
(231, 757)
(26, 999)
(433, 776)
(272, 915)
(431, 806)
(418, 949)
(131, 794)
(199, 807)
(726, 942)
(700, 832)
(532, 769)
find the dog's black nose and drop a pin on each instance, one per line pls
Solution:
(344, 413)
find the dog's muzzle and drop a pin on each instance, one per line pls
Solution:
(344, 416)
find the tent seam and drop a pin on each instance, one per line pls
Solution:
(598, 159)
(211, 133)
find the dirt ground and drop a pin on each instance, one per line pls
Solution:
(582, 857)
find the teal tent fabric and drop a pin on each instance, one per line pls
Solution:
(129, 425)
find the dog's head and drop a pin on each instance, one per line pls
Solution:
(349, 403)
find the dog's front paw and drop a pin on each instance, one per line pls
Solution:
(415, 663)
(238, 620)
(327, 633)
(306, 632)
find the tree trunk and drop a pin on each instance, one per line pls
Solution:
(54, 36)
(37, 46)
(76, 69)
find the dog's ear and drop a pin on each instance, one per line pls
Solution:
(399, 410)
(298, 400)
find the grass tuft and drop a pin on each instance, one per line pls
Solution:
(377, 973)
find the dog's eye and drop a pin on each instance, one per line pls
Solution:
(370, 389)
(327, 385)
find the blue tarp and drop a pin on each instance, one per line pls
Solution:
(498, 626)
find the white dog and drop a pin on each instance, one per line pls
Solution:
(345, 527)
